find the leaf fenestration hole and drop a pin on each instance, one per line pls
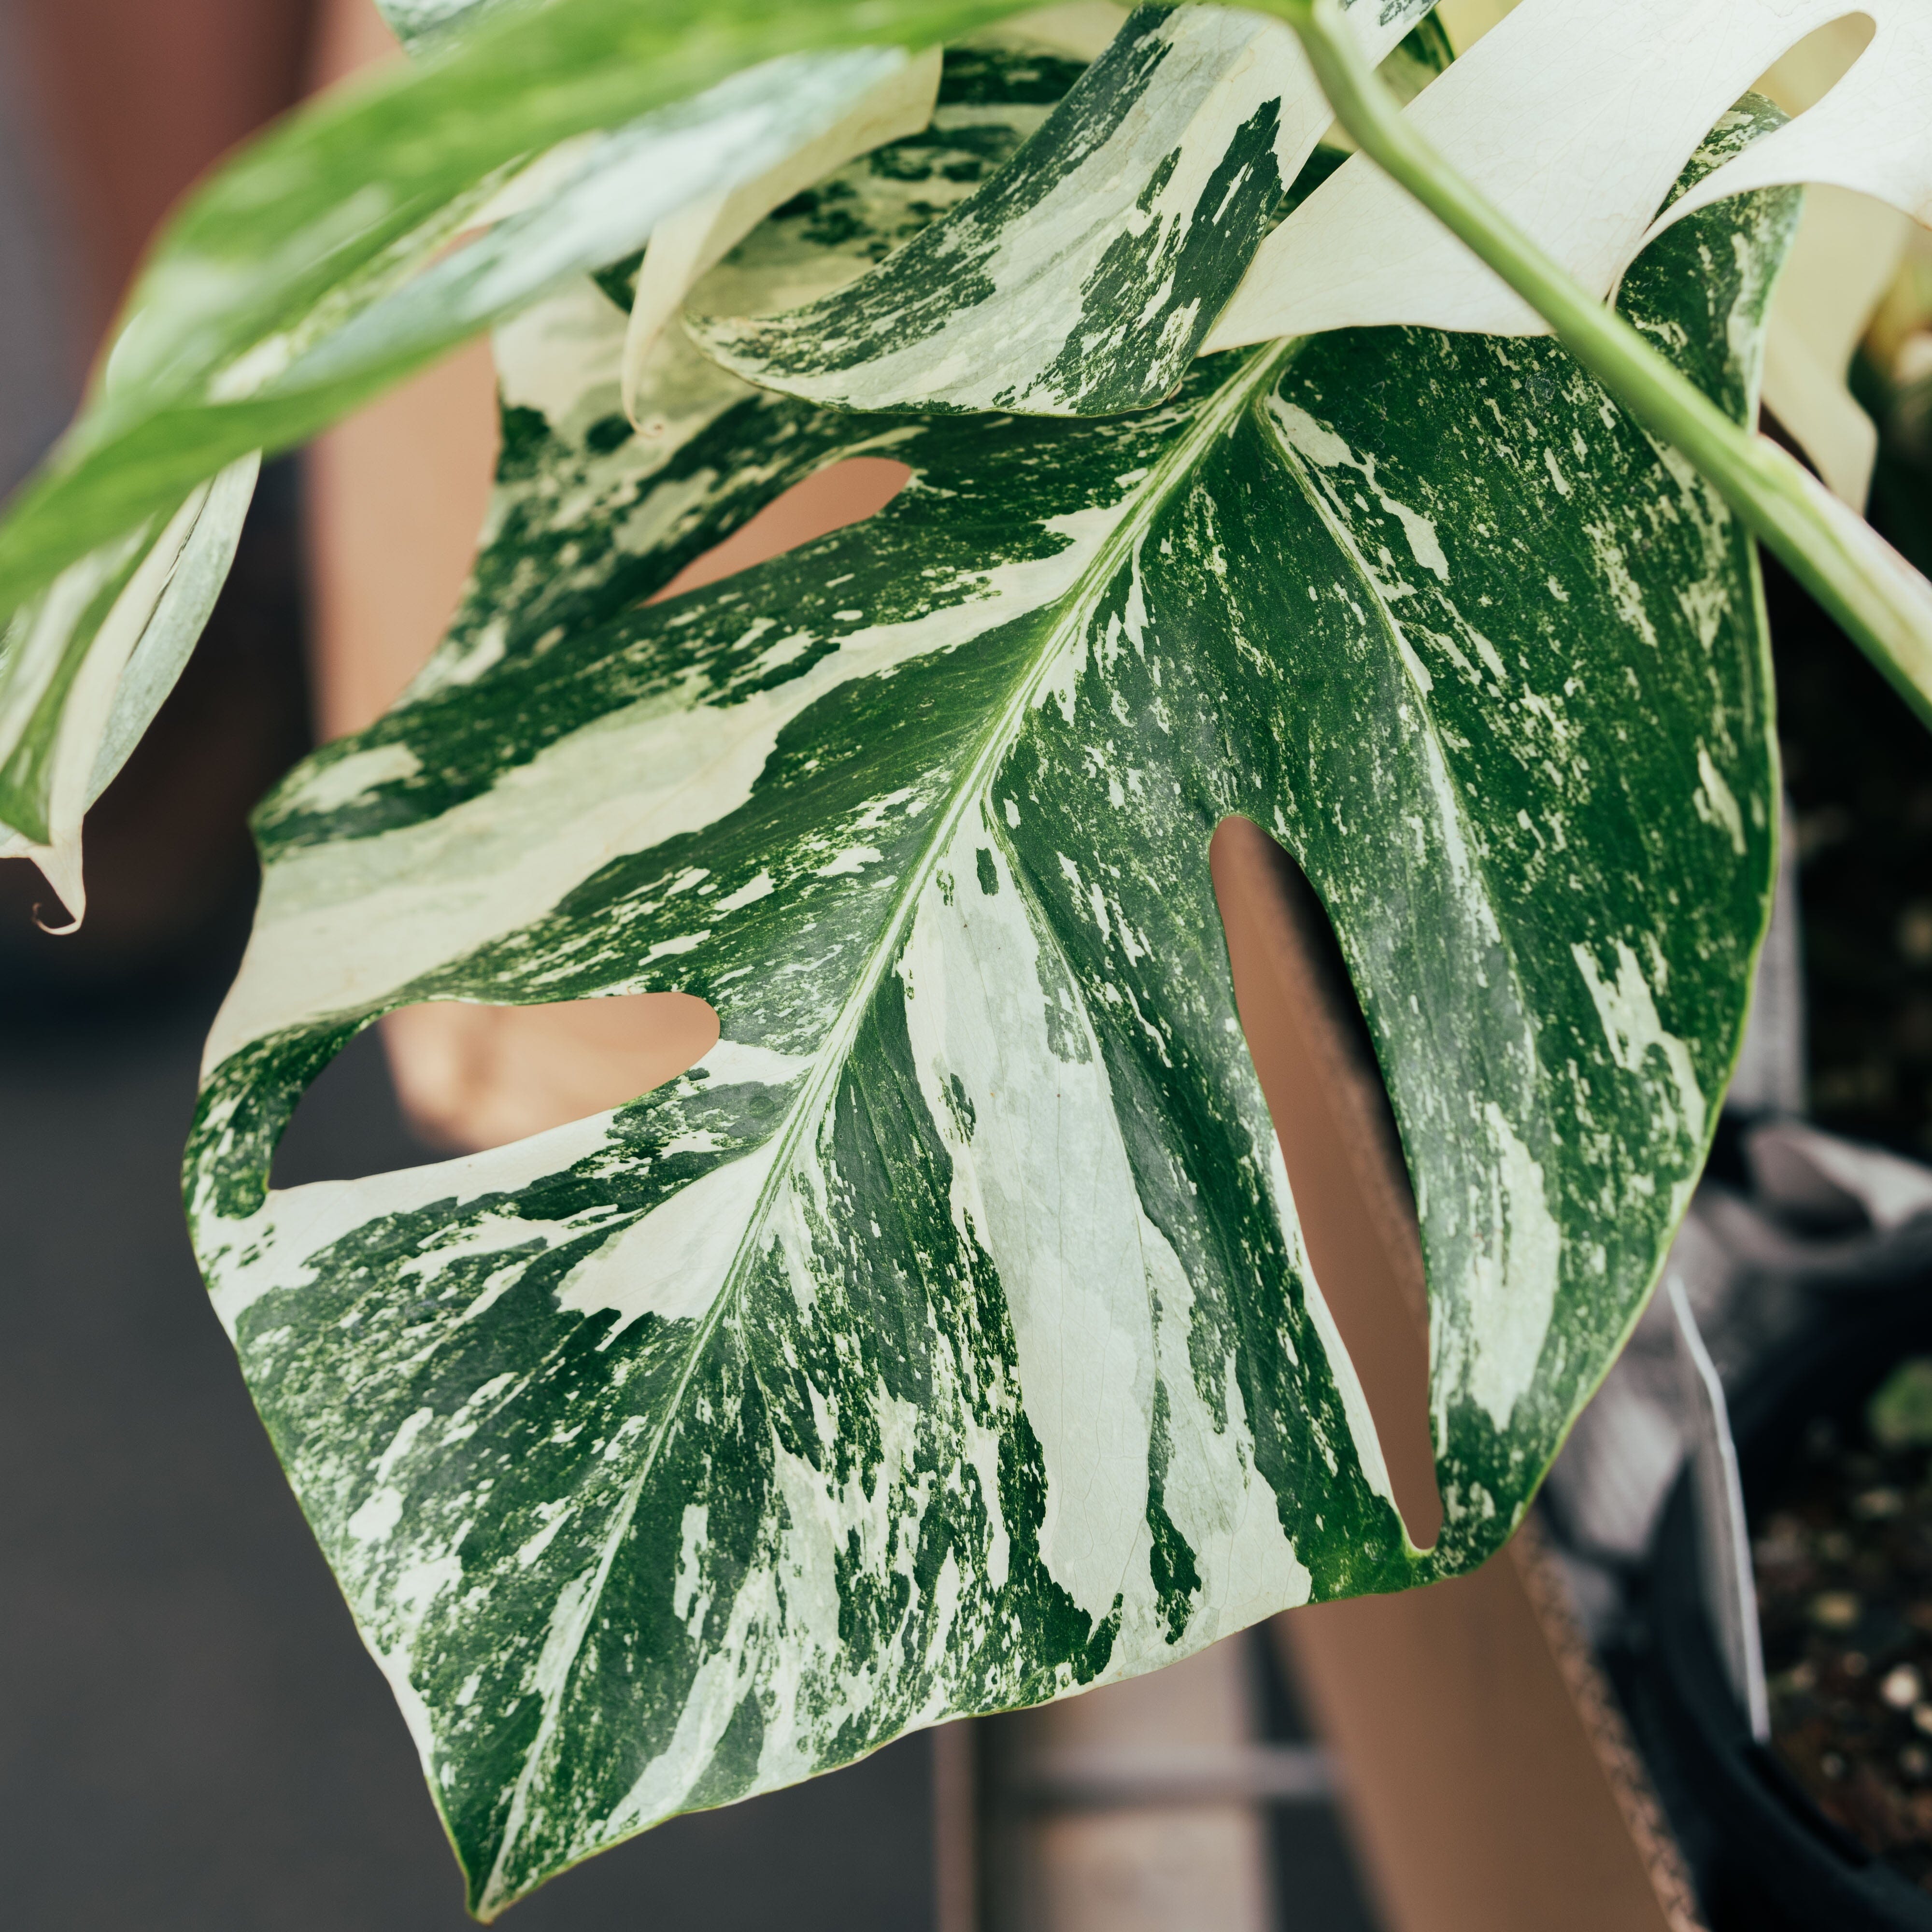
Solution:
(463, 1077)
(1317, 1067)
(470, 1077)
(831, 499)
(1805, 73)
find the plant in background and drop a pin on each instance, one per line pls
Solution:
(943, 1340)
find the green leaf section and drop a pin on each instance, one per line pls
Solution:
(1882, 604)
(1082, 279)
(944, 1340)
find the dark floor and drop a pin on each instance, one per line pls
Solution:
(191, 1735)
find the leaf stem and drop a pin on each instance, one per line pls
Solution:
(1878, 599)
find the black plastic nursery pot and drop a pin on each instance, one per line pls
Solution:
(1773, 1858)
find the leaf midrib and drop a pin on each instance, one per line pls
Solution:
(1216, 415)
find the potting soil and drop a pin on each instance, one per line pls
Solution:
(1844, 1562)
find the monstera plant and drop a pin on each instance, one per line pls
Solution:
(944, 1340)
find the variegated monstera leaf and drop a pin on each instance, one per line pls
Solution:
(944, 1340)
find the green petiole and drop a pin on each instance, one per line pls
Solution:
(1878, 599)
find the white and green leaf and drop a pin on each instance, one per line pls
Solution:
(1875, 135)
(1082, 279)
(944, 1340)
(344, 204)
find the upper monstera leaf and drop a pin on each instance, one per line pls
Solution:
(1083, 281)
(944, 1340)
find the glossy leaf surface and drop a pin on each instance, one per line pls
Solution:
(944, 1340)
